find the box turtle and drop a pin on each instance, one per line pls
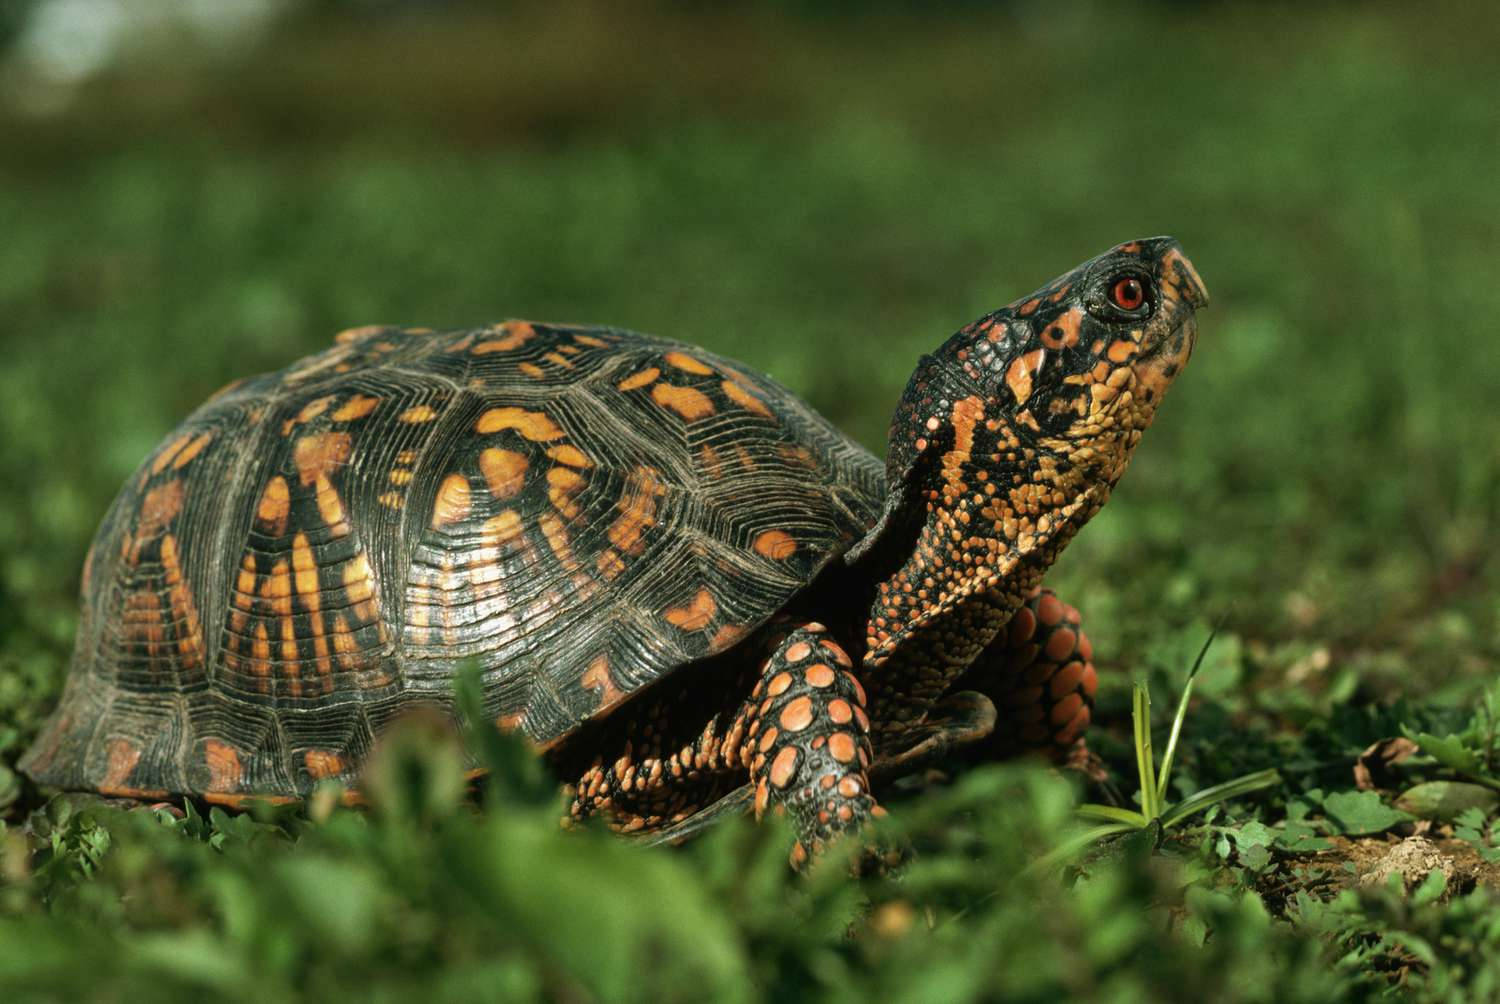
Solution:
(677, 579)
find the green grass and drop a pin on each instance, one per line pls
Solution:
(824, 199)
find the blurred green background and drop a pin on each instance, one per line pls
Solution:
(824, 193)
(194, 191)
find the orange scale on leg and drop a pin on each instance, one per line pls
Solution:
(1022, 626)
(1070, 732)
(1067, 679)
(1061, 644)
(1064, 710)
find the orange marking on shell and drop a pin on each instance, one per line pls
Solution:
(184, 610)
(189, 452)
(534, 425)
(570, 455)
(502, 528)
(1064, 710)
(637, 507)
(309, 593)
(777, 545)
(784, 767)
(533, 370)
(727, 635)
(819, 675)
(691, 404)
(417, 414)
(1018, 375)
(558, 539)
(562, 484)
(841, 746)
(558, 359)
(687, 363)
(452, 504)
(641, 379)
(797, 715)
(392, 500)
(330, 506)
(351, 335)
(160, 507)
(742, 396)
(223, 762)
(260, 652)
(513, 334)
(709, 461)
(357, 407)
(323, 764)
(320, 454)
(504, 471)
(779, 684)
(359, 586)
(590, 341)
(597, 679)
(696, 615)
(123, 756)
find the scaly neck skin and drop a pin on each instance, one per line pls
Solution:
(999, 507)
(1006, 441)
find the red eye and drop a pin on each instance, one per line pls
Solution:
(1128, 293)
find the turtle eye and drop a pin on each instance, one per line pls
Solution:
(1128, 293)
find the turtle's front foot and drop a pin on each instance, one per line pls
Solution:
(808, 741)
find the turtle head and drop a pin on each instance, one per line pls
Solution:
(1014, 432)
(1090, 354)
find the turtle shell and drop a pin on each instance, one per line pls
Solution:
(580, 510)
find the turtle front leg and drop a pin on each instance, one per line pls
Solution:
(807, 740)
(1039, 671)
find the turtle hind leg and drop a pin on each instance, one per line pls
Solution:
(1039, 672)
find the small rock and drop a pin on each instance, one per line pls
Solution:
(1413, 859)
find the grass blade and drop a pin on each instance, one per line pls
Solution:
(1112, 814)
(1077, 842)
(1144, 760)
(1201, 800)
(1182, 706)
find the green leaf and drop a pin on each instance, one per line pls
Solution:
(1446, 800)
(1448, 751)
(1361, 812)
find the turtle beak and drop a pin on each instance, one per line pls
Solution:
(1180, 273)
